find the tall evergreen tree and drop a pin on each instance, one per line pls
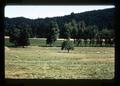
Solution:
(74, 29)
(81, 30)
(53, 33)
(67, 30)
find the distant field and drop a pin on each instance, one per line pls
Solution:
(36, 42)
(52, 63)
(42, 42)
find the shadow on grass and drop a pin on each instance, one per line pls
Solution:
(12, 46)
(44, 46)
(47, 46)
(64, 51)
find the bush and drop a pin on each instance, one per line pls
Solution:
(67, 45)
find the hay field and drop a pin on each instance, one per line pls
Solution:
(34, 62)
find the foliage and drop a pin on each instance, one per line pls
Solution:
(40, 27)
(74, 28)
(67, 30)
(53, 33)
(23, 39)
(19, 37)
(81, 28)
(42, 42)
(67, 45)
(87, 25)
(14, 35)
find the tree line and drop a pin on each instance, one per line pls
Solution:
(39, 27)
(76, 30)
(71, 26)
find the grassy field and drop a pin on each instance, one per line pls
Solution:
(42, 42)
(35, 42)
(35, 62)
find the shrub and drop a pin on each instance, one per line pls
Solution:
(67, 45)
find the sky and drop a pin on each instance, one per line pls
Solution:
(43, 11)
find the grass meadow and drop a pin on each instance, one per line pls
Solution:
(36, 62)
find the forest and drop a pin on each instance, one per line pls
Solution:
(94, 25)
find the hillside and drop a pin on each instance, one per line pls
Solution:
(38, 27)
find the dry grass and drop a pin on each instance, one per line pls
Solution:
(52, 63)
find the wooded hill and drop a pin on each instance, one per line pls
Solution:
(40, 27)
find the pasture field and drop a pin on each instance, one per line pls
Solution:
(42, 42)
(35, 62)
(35, 42)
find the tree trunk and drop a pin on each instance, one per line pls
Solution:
(50, 45)
(74, 40)
(68, 50)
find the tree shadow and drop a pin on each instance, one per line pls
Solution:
(47, 46)
(64, 51)
(13, 46)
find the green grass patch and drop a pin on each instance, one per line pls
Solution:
(35, 42)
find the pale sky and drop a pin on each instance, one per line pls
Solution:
(43, 11)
